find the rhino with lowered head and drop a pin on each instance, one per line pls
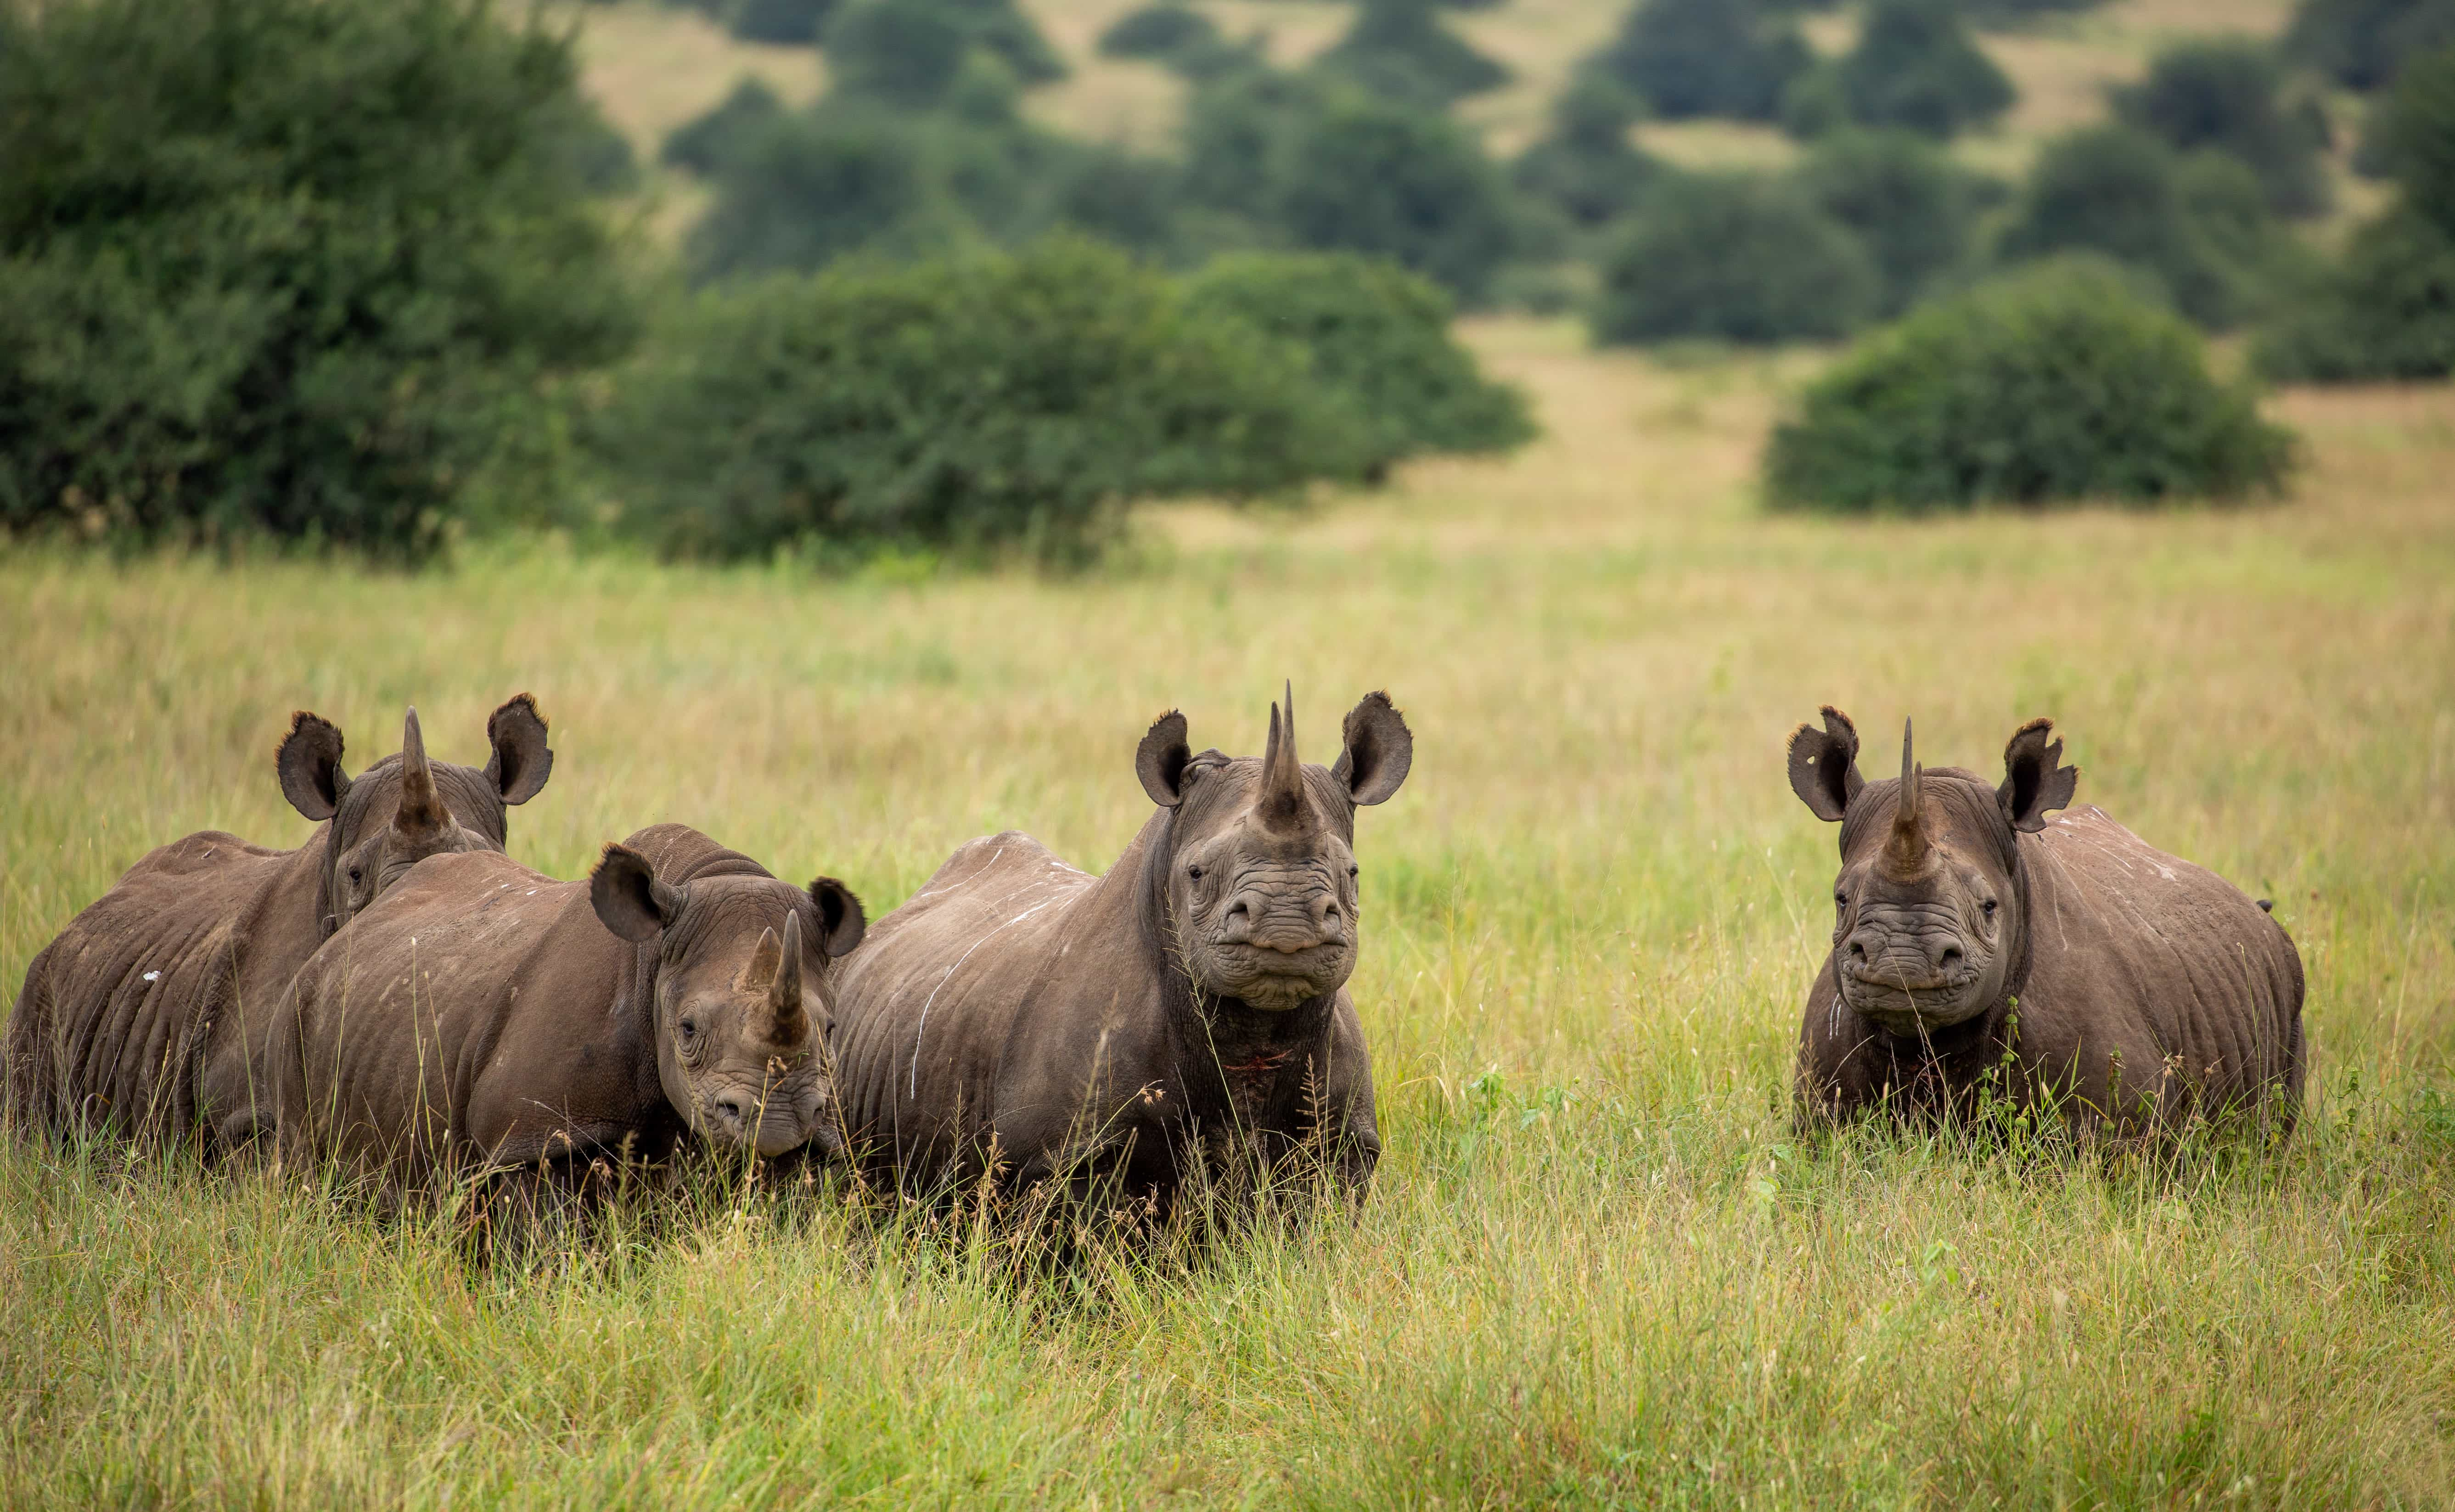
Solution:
(145, 1018)
(1020, 1018)
(481, 1016)
(1972, 932)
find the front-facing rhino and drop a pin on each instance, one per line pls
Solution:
(1973, 934)
(481, 1016)
(1020, 1016)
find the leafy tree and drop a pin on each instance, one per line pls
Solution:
(1584, 166)
(792, 22)
(1689, 58)
(2361, 44)
(2197, 226)
(2057, 384)
(1915, 209)
(2225, 94)
(705, 143)
(1001, 403)
(1376, 336)
(908, 53)
(1158, 31)
(1734, 258)
(2021, 12)
(1915, 66)
(1399, 48)
(296, 267)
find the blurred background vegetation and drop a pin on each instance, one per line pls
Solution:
(968, 278)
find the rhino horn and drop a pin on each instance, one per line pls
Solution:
(1905, 849)
(785, 986)
(1285, 802)
(420, 808)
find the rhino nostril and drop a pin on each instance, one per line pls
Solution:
(732, 1107)
(1951, 957)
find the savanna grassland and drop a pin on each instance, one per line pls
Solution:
(1597, 1268)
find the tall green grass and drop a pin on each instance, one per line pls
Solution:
(1598, 1267)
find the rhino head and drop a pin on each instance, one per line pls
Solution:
(742, 998)
(1260, 882)
(406, 807)
(1930, 906)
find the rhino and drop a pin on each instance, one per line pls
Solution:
(2061, 962)
(483, 1019)
(1020, 1021)
(143, 1020)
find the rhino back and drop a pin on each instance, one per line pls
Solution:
(2142, 955)
(934, 1005)
(391, 1050)
(112, 1016)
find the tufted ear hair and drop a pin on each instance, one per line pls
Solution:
(1824, 766)
(2034, 786)
(841, 920)
(628, 896)
(521, 760)
(1379, 750)
(1161, 760)
(309, 764)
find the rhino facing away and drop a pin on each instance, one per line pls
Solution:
(144, 1019)
(1022, 1020)
(2133, 989)
(482, 1017)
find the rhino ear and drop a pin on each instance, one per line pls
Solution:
(841, 923)
(309, 766)
(1380, 750)
(1162, 760)
(1824, 766)
(521, 760)
(628, 898)
(2034, 786)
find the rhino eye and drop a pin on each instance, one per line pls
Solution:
(1989, 906)
(690, 1029)
(1195, 872)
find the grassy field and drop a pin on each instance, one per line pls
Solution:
(1598, 1267)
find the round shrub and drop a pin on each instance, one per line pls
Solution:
(705, 143)
(1378, 337)
(2388, 311)
(2226, 94)
(2021, 12)
(2417, 131)
(1157, 31)
(1399, 47)
(982, 404)
(2362, 44)
(1914, 207)
(795, 23)
(1735, 258)
(1584, 166)
(291, 268)
(1689, 58)
(2054, 385)
(1373, 175)
(1915, 66)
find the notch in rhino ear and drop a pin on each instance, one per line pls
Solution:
(521, 760)
(2034, 787)
(1380, 750)
(629, 898)
(1824, 766)
(309, 764)
(841, 923)
(1162, 760)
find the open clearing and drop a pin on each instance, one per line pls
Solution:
(1598, 1267)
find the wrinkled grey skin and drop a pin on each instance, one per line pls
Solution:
(1020, 1016)
(481, 1016)
(145, 1019)
(1974, 935)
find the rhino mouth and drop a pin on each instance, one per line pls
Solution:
(1266, 976)
(1905, 1004)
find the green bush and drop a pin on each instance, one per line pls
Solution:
(1914, 207)
(2362, 44)
(995, 403)
(2387, 309)
(1399, 48)
(1915, 66)
(1736, 258)
(1158, 31)
(2226, 94)
(791, 22)
(2052, 385)
(2198, 226)
(1584, 166)
(1379, 338)
(2021, 12)
(706, 142)
(907, 54)
(1689, 58)
(296, 267)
